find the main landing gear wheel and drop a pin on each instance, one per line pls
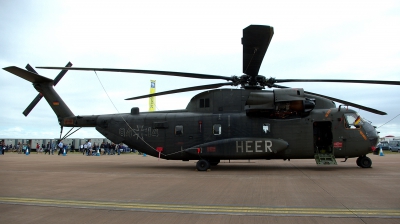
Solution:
(364, 162)
(202, 165)
(358, 161)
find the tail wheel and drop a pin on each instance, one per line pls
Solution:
(202, 165)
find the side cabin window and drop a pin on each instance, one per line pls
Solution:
(204, 103)
(352, 121)
(179, 130)
(217, 129)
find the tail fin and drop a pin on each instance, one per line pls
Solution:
(45, 88)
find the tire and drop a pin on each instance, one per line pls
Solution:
(365, 162)
(358, 161)
(202, 165)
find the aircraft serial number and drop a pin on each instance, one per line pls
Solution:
(139, 132)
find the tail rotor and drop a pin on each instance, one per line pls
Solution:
(40, 96)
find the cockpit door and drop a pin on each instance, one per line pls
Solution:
(352, 134)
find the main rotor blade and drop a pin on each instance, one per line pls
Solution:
(350, 104)
(211, 86)
(344, 102)
(179, 74)
(340, 80)
(255, 41)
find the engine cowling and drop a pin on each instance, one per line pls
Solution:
(280, 103)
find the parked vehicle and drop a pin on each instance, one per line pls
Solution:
(384, 145)
(394, 145)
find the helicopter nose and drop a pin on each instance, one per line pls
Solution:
(371, 133)
(374, 141)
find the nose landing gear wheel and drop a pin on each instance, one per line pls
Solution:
(202, 165)
(364, 162)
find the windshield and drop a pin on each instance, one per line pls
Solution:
(352, 120)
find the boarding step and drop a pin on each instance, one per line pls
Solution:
(325, 159)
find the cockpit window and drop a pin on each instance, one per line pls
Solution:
(352, 120)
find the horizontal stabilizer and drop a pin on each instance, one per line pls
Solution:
(27, 75)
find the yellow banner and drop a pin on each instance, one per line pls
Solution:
(152, 100)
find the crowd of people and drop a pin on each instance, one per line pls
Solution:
(88, 149)
(105, 148)
(25, 148)
(18, 147)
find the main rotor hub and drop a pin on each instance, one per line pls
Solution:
(253, 82)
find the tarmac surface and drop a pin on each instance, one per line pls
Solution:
(131, 188)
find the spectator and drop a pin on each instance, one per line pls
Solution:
(89, 146)
(112, 148)
(3, 148)
(60, 146)
(18, 147)
(85, 149)
(47, 150)
(107, 148)
(93, 150)
(53, 147)
(102, 148)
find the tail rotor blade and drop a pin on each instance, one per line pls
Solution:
(32, 104)
(30, 68)
(37, 98)
(62, 73)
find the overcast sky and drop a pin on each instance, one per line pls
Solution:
(313, 39)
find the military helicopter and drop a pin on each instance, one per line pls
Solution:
(230, 124)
